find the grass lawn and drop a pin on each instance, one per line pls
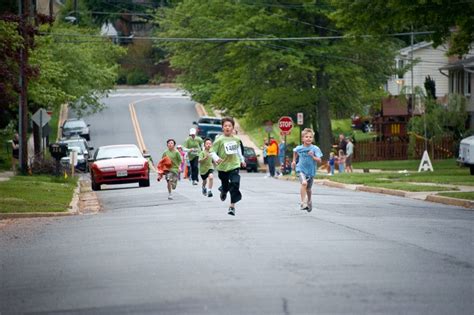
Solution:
(460, 195)
(36, 194)
(446, 172)
(410, 187)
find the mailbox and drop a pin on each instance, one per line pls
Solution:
(58, 150)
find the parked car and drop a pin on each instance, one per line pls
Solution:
(81, 161)
(250, 159)
(119, 164)
(213, 135)
(77, 141)
(362, 123)
(208, 124)
(75, 126)
(466, 153)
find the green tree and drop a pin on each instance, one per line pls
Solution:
(265, 80)
(78, 70)
(10, 43)
(380, 17)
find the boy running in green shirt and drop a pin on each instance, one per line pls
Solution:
(227, 153)
(172, 175)
(206, 168)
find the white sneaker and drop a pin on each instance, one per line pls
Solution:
(304, 206)
(170, 197)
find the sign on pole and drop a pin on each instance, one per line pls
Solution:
(299, 119)
(41, 117)
(285, 124)
(268, 126)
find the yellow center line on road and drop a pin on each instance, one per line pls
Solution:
(138, 132)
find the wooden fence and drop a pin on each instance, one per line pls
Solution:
(443, 148)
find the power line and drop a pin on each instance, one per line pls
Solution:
(235, 39)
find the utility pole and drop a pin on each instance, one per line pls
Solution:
(23, 12)
(411, 66)
(51, 11)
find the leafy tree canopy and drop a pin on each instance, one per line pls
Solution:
(77, 70)
(269, 79)
(387, 16)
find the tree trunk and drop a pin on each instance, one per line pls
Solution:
(324, 119)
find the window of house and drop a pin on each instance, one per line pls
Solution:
(460, 82)
(400, 65)
(467, 83)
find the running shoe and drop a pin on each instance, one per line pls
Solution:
(310, 206)
(223, 195)
(231, 211)
(304, 206)
(195, 183)
(204, 191)
(170, 197)
(209, 193)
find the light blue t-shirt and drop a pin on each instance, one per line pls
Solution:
(306, 164)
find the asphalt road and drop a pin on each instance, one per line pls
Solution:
(356, 253)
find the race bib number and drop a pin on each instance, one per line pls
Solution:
(231, 147)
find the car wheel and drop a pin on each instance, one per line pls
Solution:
(95, 186)
(144, 183)
(255, 169)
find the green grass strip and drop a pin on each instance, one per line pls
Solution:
(469, 195)
(36, 194)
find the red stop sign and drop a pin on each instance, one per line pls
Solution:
(285, 124)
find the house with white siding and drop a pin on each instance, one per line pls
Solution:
(460, 74)
(427, 61)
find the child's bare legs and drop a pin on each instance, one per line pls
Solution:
(303, 190)
(211, 181)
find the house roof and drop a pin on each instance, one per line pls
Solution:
(461, 64)
(420, 45)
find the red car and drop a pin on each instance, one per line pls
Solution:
(119, 164)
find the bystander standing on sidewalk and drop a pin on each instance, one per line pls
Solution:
(341, 160)
(349, 155)
(15, 152)
(272, 153)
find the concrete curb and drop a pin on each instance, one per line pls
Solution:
(451, 201)
(393, 192)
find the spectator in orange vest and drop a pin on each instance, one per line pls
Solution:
(272, 153)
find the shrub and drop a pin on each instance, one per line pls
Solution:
(136, 77)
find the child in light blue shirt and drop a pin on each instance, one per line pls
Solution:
(308, 155)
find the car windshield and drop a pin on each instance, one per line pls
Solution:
(212, 121)
(77, 149)
(76, 143)
(117, 152)
(71, 124)
(249, 151)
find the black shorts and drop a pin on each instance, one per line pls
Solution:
(206, 175)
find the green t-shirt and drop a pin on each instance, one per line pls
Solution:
(205, 162)
(175, 158)
(191, 143)
(227, 149)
